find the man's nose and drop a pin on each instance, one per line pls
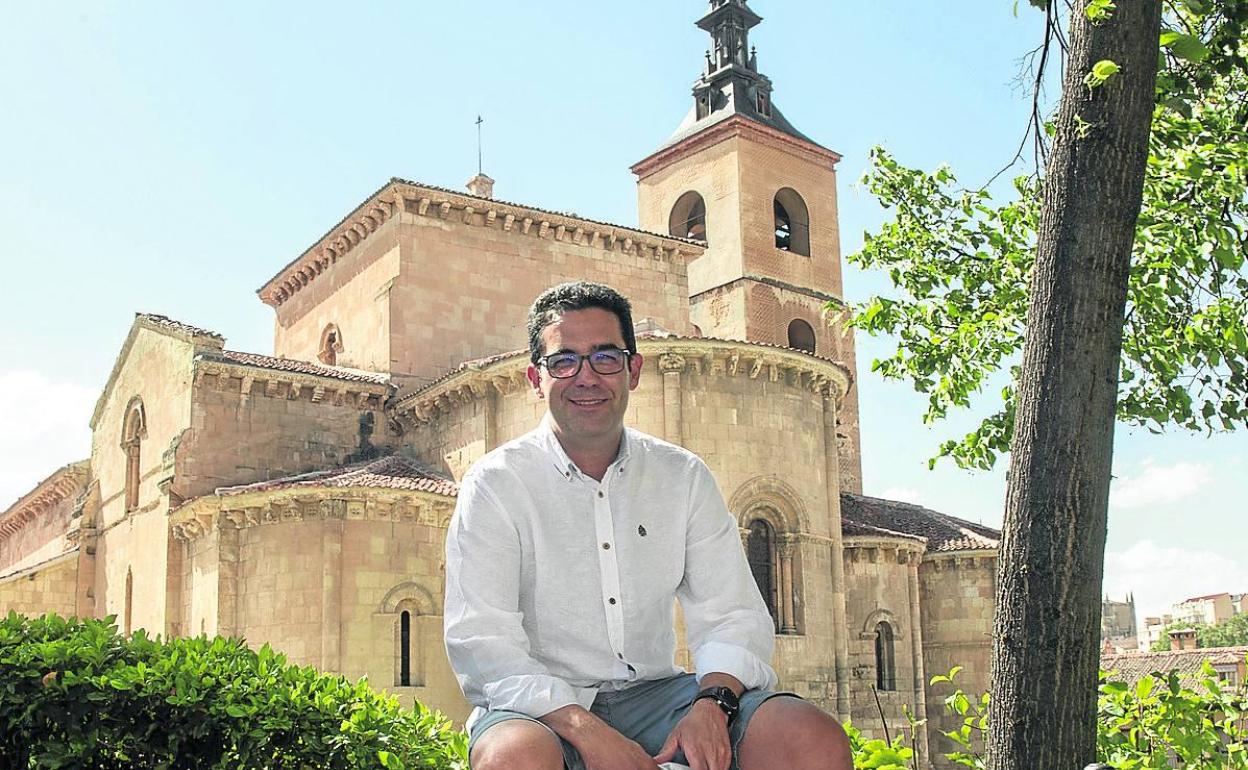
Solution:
(586, 375)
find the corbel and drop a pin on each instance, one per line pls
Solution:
(543, 229)
(422, 206)
(318, 393)
(294, 391)
(560, 231)
(508, 221)
(490, 218)
(525, 225)
(468, 212)
(444, 210)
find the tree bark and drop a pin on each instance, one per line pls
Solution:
(1046, 649)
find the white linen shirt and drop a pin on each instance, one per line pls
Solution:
(558, 585)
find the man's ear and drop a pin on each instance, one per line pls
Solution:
(535, 379)
(635, 362)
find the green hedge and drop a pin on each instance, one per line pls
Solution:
(76, 693)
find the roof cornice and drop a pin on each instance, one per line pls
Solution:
(203, 515)
(317, 388)
(729, 128)
(402, 196)
(724, 358)
(61, 484)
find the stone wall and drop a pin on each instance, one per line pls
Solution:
(325, 579)
(131, 562)
(877, 584)
(277, 428)
(49, 588)
(354, 294)
(40, 539)
(465, 289)
(958, 594)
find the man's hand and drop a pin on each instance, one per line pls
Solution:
(600, 746)
(703, 735)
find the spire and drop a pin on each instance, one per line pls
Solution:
(729, 22)
(730, 83)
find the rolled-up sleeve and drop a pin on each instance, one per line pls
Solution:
(485, 639)
(729, 628)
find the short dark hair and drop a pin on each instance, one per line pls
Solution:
(577, 295)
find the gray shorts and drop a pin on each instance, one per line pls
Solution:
(646, 713)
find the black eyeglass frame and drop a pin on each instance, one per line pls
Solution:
(580, 362)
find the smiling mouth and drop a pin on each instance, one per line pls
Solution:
(588, 401)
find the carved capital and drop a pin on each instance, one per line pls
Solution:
(671, 363)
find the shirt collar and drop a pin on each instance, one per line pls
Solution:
(560, 458)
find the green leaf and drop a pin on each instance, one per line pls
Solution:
(1101, 73)
(1099, 10)
(1184, 46)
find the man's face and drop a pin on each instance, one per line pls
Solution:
(587, 408)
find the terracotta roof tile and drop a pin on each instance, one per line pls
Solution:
(943, 532)
(1133, 666)
(178, 326)
(392, 472)
(300, 367)
(857, 529)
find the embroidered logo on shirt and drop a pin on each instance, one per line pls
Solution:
(641, 530)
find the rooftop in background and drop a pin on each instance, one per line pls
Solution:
(1133, 666)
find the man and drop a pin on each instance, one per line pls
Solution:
(565, 554)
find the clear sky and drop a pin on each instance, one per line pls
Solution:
(170, 158)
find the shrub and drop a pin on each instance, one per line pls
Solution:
(75, 693)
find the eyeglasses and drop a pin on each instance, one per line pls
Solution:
(564, 365)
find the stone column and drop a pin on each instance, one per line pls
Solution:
(672, 365)
(229, 575)
(832, 482)
(331, 594)
(920, 676)
(788, 623)
(490, 407)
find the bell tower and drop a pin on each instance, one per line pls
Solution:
(762, 195)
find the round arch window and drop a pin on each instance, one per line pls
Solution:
(801, 336)
(792, 222)
(688, 217)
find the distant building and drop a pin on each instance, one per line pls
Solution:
(1118, 627)
(1154, 629)
(1208, 610)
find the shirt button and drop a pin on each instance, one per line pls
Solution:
(611, 600)
(606, 546)
(600, 494)
(620, 655)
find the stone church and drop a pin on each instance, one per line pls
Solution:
(300, 499)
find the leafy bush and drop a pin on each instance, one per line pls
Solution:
(75, 693)
(1162, 721)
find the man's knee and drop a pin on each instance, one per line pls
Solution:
(517, 744)
(798, 731)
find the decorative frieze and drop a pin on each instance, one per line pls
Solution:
(204, 515)
(229, 377)
(673, 356)
(63, 484)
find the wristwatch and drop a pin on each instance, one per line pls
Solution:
(724, 697)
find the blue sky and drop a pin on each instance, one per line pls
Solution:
(168, 158)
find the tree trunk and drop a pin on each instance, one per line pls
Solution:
(1046, 648)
